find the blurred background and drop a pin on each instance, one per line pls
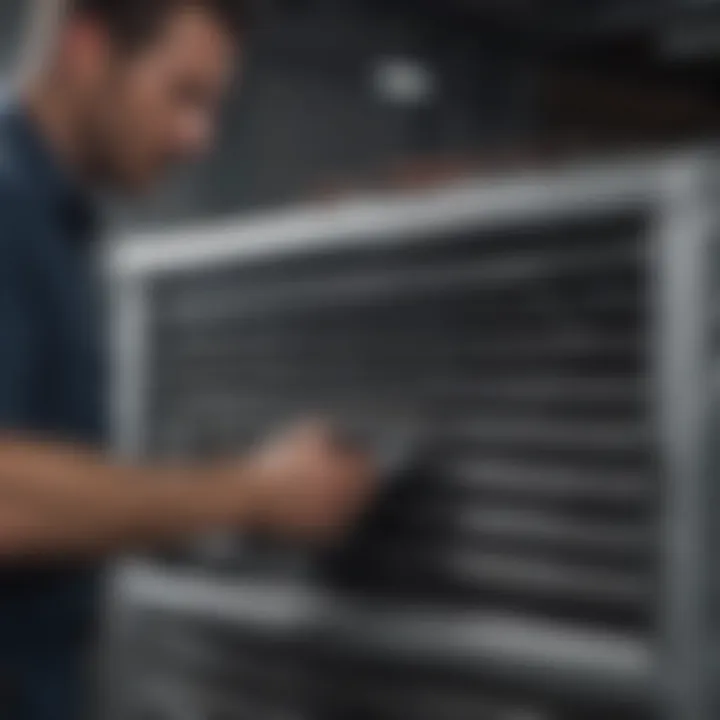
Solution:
(340, 96)
(528, 579)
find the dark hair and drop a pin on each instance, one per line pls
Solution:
(132, 22)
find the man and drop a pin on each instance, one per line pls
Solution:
(124, 88)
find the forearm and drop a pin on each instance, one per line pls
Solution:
(55, 499)
(29, 537)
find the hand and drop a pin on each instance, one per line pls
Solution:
(309, 484)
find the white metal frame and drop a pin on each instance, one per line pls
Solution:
(675, 673)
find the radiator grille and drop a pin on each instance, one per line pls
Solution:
(526, 352)
(201, 672)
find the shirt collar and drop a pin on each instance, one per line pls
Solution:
(50, 181)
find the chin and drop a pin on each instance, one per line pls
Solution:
(138, 180)
(136, 185)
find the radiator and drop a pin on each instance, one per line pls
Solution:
(553, 561)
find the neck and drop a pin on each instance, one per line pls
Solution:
(53, 114)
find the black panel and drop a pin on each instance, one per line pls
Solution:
(524, 353)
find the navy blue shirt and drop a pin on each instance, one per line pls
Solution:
(51, 386)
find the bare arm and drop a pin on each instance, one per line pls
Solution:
(58, 501)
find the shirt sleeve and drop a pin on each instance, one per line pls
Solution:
(16, 318)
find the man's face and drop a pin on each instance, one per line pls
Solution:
(148, 109)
